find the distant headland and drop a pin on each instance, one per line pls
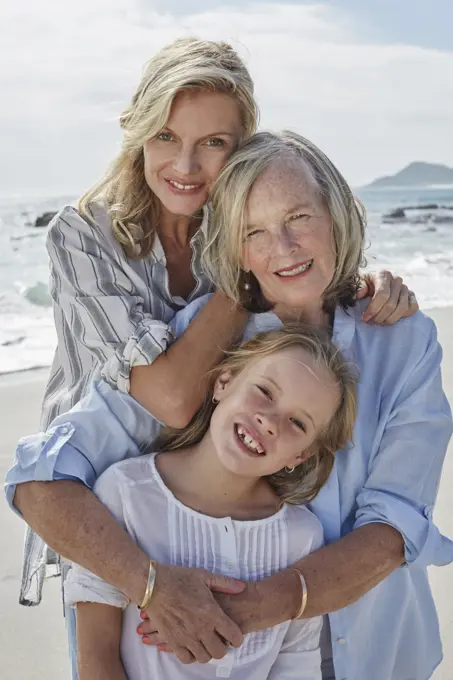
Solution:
(416, 174)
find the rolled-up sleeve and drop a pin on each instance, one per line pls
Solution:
(99, 301)
(404, 475)
(103, 428)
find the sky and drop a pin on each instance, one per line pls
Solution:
(369, 81)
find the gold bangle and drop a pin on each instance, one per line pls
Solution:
(149, 585)
(303, 586)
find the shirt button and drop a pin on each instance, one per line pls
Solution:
(341, 641)
(229, 564)
(223, 672)
(64, 430)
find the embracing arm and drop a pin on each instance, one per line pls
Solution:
(105, 312)
(98, 642)
(393, 521)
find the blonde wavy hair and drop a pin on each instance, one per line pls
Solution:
(186, 64)
(228, 226)
(304, 483)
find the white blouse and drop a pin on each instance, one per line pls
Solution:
(174, 534)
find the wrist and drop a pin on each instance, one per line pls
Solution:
(137, 580)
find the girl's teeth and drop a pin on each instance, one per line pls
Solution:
(297, 270)
(249, 441)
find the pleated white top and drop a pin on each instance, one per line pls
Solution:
(172, 533)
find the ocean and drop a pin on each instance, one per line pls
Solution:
(418, 247)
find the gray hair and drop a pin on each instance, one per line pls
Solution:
(228, 225)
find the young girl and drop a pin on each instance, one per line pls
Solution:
(229, 492)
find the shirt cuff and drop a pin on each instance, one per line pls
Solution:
(83, 586)
(423, 543)
(150, 339)
(48, 457)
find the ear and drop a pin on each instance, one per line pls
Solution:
(221, 385)
(306, 454)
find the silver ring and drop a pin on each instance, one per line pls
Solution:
(412, 299)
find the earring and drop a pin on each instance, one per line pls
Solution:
(215, 400)
(247, 285)
(291, 469)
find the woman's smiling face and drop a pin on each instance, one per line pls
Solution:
(289, 243)
(184, 159)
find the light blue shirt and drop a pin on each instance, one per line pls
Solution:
(389, 474)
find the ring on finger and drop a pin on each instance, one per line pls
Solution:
(412, 299)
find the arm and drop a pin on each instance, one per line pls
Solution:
(106, 314)
(178, 385)
(98, 642)
(393, 523)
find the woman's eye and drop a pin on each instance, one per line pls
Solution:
(216, 142)
(299, 424)
(302, 216)
(254, 233)
(265, 391)
(164, 136)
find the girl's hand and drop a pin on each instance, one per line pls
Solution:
(390, 298)
(188, 618)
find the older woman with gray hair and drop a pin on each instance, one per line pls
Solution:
(287, 237)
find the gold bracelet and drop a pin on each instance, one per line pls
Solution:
(149, 585)
(303, 586)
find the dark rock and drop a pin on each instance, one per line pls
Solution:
(44, 219)
(397, 214)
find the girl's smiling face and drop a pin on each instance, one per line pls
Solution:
(271, 413)
(184, 159)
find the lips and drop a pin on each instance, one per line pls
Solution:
(184, 187)
(294, 270)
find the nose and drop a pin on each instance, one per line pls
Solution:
(285, 242)
(267, 422)
(186, 161)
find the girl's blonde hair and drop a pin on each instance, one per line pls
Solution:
(303, 484)
(228, 226)
(186, 64)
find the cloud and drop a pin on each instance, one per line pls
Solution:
(67, 69)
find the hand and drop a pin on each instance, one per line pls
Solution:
(263, 604)
(391, 299)
(188, 618)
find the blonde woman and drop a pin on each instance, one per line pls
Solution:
(301, 237)
(261, 446)
(130, 256)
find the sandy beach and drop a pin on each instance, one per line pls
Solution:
(32, 640)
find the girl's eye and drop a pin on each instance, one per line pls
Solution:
(164, 136)
(216, 142)
(265, 391)
(299, 424)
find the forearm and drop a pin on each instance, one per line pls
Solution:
(336, 576)
(76, 525)
(101, 668)
(173, 387)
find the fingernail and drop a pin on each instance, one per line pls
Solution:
(142, 615)
(366, 317)
(139, 630)
(160, 648)
(145, 639)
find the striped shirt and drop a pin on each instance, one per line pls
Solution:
(111, 313)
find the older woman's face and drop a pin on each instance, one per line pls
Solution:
(184, 159)
(289, 245)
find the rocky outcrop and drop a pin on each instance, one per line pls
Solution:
(44, 219)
